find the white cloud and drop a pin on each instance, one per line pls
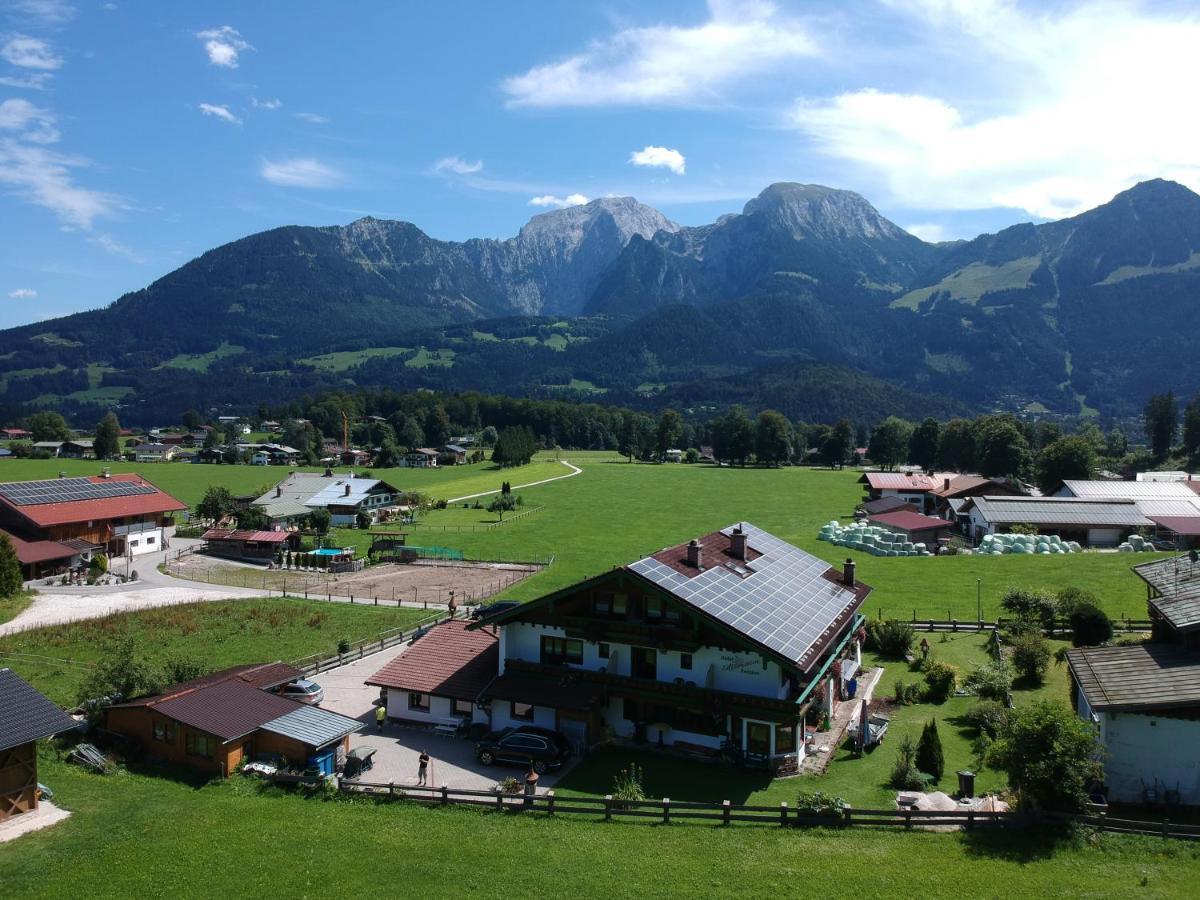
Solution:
(560, 202)
(221, 112)
(668, 65)
(115, 247)
(44, 177)
(52, 11)
(458, 165)
(32, 122)
(34, 81)
(660, 157)
(30, 53)
(929, 231)
(266, 103)
(312, 118)
(223, 45)
(304, 172)
(1075, 106)
(22, 294)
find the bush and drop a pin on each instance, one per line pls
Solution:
(1090, 626)
(990, 682)
(1049, 755)
(627, 784)
(940, 680)
(818, 803)
(99, 564)
(1030, 607)
(892, 638)
(930, 758)
(343, 647)
(692, 455)
(905, 774)
(1070, 599)
(988, 718)
(1031, 656)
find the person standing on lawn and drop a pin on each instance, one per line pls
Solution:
(380, 715)
(422, 767)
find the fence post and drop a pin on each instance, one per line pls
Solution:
(550, 802)
(499, 800)
(970, 819)
(445, 794)
(954, 625)
(666, 810)
(391, 788)
(783, 810)
(724, 812)
(908, 817)
(608, 807)
(1166, 827)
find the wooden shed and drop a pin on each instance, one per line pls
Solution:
(26, 716)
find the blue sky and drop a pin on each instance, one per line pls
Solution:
(135, 136)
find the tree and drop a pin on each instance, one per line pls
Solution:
(923, 448)
(48, 426)
(216, 504)
(488, 436)
(121, 673)
(1069, 458)
(930, 758)
(890, 442)
(514, 447)
(411, 436)
(1001, 449)
(836, 447)
(1191, 430)
(1116, 444)
(192, 420)
(1049, 755)
(1161, 421)
(107, 443)
(319, 520)
(253, 518)
(772, 438)
(210, 439)
(1090, 626)
(1030, 656)
(303, 436)
(437, 426)
(668, 432)
(733, 436)
(10, 568)
(1031, 608)
(956, 446)
(389, 455)
(502, 503)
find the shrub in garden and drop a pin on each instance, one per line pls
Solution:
(818, 803)
(912, 693)
(1049, 755)
(627, 784)
(1090, 626)
(992, 681)
(1030, 607)
(891, 638)
(1030, 656)
(930, 758)
(905, 774)
(988, 718)
(940, 679)
(1070, 599)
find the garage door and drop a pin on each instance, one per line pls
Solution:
(575, 731)
(1104, 537)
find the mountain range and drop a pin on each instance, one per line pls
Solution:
(808, 300)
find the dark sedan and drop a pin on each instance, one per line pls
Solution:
(524, 746)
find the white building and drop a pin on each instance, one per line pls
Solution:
(345, 496)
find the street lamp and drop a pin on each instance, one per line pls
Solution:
(979, 599)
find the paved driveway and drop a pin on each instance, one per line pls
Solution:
(452, 759)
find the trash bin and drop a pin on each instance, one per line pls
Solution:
(966, 784)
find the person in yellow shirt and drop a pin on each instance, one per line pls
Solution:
(380, 715)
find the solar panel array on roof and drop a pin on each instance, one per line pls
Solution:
(783, 601)
(67, 490)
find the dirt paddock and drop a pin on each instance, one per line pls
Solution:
(426, 581)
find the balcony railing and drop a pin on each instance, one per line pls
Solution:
(134, 528)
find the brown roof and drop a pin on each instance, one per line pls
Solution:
(1184, 525)
(38, 551)
(262, 676)
(448, 661)
(1138, 676)
(101, 509)
(953, 486)
(910, 521)
(897, 481)
(566, 692)
(228, 710)
(714, 551)
(263, 537)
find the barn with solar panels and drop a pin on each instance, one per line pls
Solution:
(57, 523)
(726, 642)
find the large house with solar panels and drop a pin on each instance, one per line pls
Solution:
(1144, 699)
(60, 522)
(724, 643)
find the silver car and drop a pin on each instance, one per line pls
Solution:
(304, 691)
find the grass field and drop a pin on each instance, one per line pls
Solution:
(616, 512)
(11, 607)
(344, 360)
(217, 634)
(138, 834)
(862, 781)
(199, 362)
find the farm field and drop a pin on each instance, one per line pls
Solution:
(121, 842)
(616, 512)
(217, 634)
(860, 781)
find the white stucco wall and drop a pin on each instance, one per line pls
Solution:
(543, 716)
(145, 542)
(1143, 749)
(440, 709)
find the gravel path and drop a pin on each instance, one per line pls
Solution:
(575, 470)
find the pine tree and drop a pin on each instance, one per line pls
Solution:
(10, 568)
(107, 443)
(929, 751)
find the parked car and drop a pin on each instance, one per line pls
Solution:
(524, 746)
(304, 691)
(482, 612)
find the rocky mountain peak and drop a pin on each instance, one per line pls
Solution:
(622, 216)
(812, 210)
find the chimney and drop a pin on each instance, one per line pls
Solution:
(279, 490)
(945, 484)
(848, 573)
(737, 543)
(347, 491)
(695, 556)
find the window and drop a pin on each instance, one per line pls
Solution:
(164, 732)
(602, 650)
(200, 745)
(785, 738)
(685, 661)
(522, 711)
(462, 707)
(561, 651)
(606, 603)
(419, 702)
(149, 540)
(657, 610)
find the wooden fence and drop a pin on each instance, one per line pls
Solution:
(1123, 624)
(666, 811)
(417, 525)
(316, 662)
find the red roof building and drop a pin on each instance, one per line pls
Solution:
(438, 678)
(919, 527)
